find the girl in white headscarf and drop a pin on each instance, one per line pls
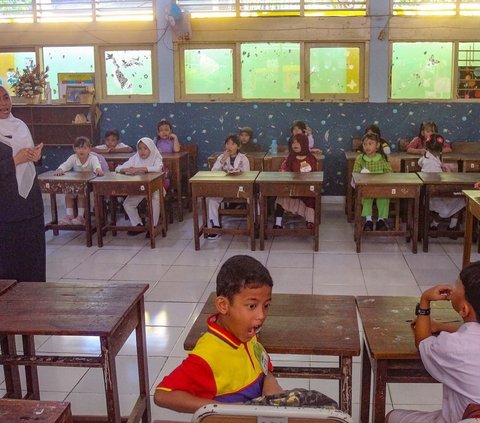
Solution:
(147, 159)
(22, 233)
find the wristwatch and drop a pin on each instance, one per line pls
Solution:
(421, 311)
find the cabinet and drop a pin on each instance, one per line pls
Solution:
(53, 124)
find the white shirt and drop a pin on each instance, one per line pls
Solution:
(240, 163)
(73, 163)
(430, 163)
(454, 360)
(136, 161)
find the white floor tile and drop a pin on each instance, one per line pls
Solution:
(296, 260)
(87, 271)
(188, 274)
(430, 261)
(168, 314)
(141, 272)
(177, 291)
(199, 258)
(385, 261)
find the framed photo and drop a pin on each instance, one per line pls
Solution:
(66, 79)
(72, 94)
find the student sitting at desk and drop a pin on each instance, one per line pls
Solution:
(82, 161)
(373, 160)
(417, 145)
(112, 144)
(147, 159)
(300, 159)
(231, 161)
(165, 140)
(245, 135)
(228, 364)
(450, 355)
(431, 161)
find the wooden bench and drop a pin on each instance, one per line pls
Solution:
(14, 410)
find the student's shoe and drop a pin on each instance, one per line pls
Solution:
(214, 237)
(455, 228)
(309, 225)
(433, 231)
(368, 227)
(277, 227)
(134, 233)
(381, 225)
(66, 220)
(79, 220)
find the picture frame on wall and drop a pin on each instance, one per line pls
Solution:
(74, 79)
(73, 93)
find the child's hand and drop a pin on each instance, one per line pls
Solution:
(99, 172)
(173, 137)
(59, 172)
(437, 293)
(308, 131)
(477, 185)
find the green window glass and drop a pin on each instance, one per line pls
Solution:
(209, 71)
(421, 70)
(9, 62)
(334, 70)
(270, 70)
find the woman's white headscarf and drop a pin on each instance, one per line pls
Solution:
(15, 134)
(154, 153)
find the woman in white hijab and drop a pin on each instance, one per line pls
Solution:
(22, 233)
(147, 159)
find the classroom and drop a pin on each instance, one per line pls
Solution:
(131, 273)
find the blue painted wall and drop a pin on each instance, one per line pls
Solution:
(334, 124)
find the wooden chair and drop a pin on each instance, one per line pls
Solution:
(402, 144)
(192, 150)
(356, 143)
(233, 413)
(465, 147)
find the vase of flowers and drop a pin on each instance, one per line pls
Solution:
(30, 84)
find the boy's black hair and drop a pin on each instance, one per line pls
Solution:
(435, 143)
(299, 124)
(247, 130)
(470, 277)
(113, 132)
(373, 128)
(374, 136)
(82, 142)
(240, 272)
(234, 138)
(423, 125)
(164, 122)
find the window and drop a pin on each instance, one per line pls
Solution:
(10, 61)
(468, 70)
(201, 8)
(128, 72)
(436, 7)
(75, 10)
(270, 71)
(421, 70)
(67, 60)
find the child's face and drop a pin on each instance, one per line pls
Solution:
(246, 313)
(370, 146)
(296, 130)
(427, 132)
(111, 141)
(164, 132)
(244, 137)
(143, 151)
(82, 152)
(231, 147)
(296, 146)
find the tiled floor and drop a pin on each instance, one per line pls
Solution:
(181, 278)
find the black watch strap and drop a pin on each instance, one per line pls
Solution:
(421, 311)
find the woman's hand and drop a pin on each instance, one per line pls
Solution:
(37, 152)
(23, 156)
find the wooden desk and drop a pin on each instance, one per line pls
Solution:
(115, 159)
(289, 184)
(7, 347)
(470, 162)
(115, 184)
(389, 347)
(255, 159)
(388, 185)
(219, 184)
(12, 411)
(71, 183)
(272, 162)
(108, 311)
(290, 329)
(446, 185)
(180, 175)
(473, 210)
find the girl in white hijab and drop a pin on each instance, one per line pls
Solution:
(147, 159)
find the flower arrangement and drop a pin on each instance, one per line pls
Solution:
(31, 82)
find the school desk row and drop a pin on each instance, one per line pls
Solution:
(306, 325)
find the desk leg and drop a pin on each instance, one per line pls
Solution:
(178, 180)
(416, 205)
(316, 223)
(33, 389)
(204, 216)
(88, 218)
(54, 211)
(196, 232)
(110, 381)
(366, 383)
(251, 220)
(379, 391)
(358, 218)
(467, 242)
(12, 375)
(151, 225)
(426, 223)
(142, 361)
(263, 220)
(163, 212)
(99, 218)
(345, 393)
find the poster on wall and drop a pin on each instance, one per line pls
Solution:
(66, 80)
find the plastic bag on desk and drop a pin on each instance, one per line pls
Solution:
(295, 398)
